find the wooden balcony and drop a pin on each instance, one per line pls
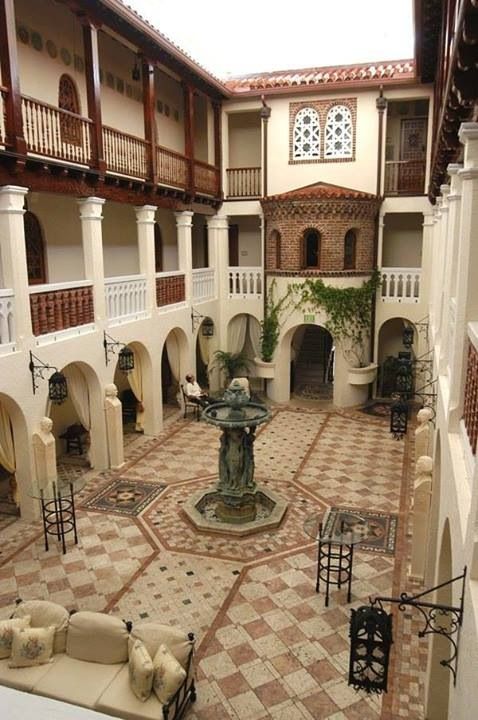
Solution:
(244, 182)
(60, 306)
(170, 288)
(405, 177)
(61, 135)
(470, 410)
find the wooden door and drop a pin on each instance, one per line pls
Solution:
(413, 144)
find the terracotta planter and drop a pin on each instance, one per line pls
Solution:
(264, 369)
(362, 375)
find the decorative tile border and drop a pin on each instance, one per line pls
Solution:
(124, 496)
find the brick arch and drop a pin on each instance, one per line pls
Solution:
(311, 251)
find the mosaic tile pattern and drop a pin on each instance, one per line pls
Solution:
(267, 646)
(381, 528)
(127, 497)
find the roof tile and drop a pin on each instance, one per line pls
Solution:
(322, 191)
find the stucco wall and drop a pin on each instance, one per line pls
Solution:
(120, 242)
(402, 240)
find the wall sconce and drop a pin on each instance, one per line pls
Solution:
(207, 327)
(136, 72)
(371, 634)
(57, 387)
(125, 355)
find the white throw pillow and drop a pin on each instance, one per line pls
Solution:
(31, 646)
(45, 613)
(6, 633)
(97, 637)
(168, 674)
(141, 671)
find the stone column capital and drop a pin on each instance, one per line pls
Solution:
(91, 208)
(468, 132)
(218, 222)
(145, 214)
(12, 198)
(184, 218)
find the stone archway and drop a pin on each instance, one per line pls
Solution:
(439, 677)
(19, 474)
(136, 392)
(390, 343)
(175, 364)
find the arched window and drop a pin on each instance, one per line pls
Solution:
(158, 248)
(312, 249)
(350, 247)
(35, 249)
(70, 128)
(338, 133)
(306, 135)
(275, 250)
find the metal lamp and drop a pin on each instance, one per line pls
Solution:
(370, 642)
(57, 385)
(407, 336)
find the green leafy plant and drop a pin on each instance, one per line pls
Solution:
(231, 364)
(271, 325)
(348, 312)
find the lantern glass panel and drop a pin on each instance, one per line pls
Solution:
(126, 360)
(207, 328)
(57, 388)
(407, 337)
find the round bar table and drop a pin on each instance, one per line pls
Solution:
(58, 512)
(337, 533)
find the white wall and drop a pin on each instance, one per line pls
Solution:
(60, 221)
(167, 223)
(244, 140)
(402, 240)
(120, 242)
(249, 240)
(169, 112)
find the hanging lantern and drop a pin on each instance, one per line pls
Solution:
(207, 327)
(398, 418)
(57, 388)
(126, 359)
(407, 337)
(370, 642)
(404, 378)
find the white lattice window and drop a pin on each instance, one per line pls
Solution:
(338, 133)
(306, 135)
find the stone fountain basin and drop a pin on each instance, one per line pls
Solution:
(194, 506)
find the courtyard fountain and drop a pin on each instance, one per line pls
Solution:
(236, 505)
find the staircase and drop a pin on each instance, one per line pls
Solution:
(311, 365)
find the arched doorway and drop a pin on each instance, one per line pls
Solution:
(390, 344)
(204, 353)
(9, 502)
(16, 467)
(439, 677)
(312, 363)
(174, 366)
(135, 390)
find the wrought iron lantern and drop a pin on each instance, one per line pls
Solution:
(370, 642)
(57, 385)
(207, 327)
(125, 355)
(407, 337)
(398, 418)
(404, 378)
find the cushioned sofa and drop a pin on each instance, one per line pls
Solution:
(89, 665)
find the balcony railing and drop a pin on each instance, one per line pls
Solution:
(245, 282)
(170, 288)
(59, 306)
(206, 178)
(172, 168)
(7, 317)
(125, 154)
(56, 133)
(3, 132)
(470, 411)
(404, 177)
(244, 182)
(203, 284)
(401, 285)
(125, 296)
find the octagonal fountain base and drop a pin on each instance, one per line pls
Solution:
(258, 511)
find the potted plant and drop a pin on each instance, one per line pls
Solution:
(231, 364)
(270, 331)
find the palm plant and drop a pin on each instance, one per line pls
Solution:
(231, 364)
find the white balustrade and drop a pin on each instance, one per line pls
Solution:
(401, 285)
(245, 282)
(203, 284)
(7, 317)
(125, 296)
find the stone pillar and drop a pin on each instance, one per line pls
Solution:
(14, 259)
(421, 517)
(114, 426)
(427, 259)
(44, 449)
(435, 269)
(381, 225)
(91, 217)
(218, 239)
(423, 433)
(145, 218)
(467, 262)
(184, 224)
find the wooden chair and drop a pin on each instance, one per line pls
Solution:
(190, 404)
(128, 406)
(73, 436)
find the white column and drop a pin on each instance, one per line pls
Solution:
(449, 250)
(184, 224)
(467, 262)
(218, 239)
(381, 225)
(145, 218)
(14, 259)
(92, 238)
(441, 272)
(435, 268)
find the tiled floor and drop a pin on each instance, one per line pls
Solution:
(266, 645)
